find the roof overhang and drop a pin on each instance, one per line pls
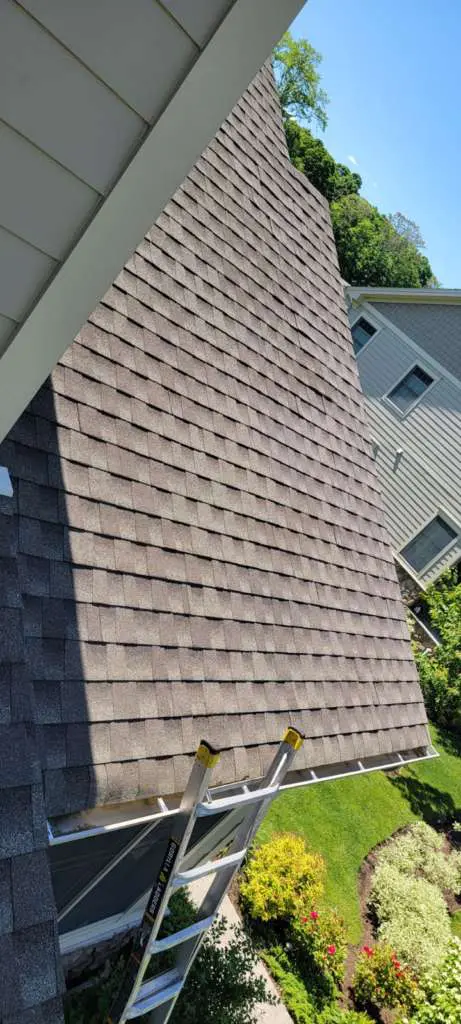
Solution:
(442, 296)
(201, 84)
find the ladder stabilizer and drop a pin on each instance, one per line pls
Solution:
(229, 803)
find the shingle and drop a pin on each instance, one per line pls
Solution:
(6, 906)
(16, 821)
(238, 512)
(19, 764)
(30, 876)
(36, 967)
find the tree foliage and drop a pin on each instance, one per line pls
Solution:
(371, 251)
(296, 65)
(440, 669)
(310, 156)
(407, 229)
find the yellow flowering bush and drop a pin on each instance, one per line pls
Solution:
(282, 878)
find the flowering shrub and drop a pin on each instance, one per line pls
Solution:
(441, 992)
(381, 980)
(282, 879)
(413, 917)
(319, 945)
(418, 852)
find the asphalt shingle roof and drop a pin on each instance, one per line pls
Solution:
(200, 529)
(195, 546)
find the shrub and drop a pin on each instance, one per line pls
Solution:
(440, 669)
(222, 984)
(413, 917)
(381, 980)
(282, 879)
(319, 947)
(293, 991)
(419, 852)
(335, 1015)
(441, 992)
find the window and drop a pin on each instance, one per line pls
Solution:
(410, 389)
(361, 332)
(429, 543)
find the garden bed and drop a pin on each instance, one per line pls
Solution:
(409, 909)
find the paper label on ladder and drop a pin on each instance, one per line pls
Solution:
(161, 883)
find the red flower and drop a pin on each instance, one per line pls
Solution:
(314, 915)
(303, 920)
(367, 950)
(331, 950)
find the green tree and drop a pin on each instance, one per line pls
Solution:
(440, 669)
(296, 65)
(407, 228)
(371, 251)
(310, 156)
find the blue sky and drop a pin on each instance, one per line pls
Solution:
(392, 70)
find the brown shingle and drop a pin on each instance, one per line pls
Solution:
(225, 566)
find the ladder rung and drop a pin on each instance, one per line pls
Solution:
(155, 992)
(209, 868)
(228, 803)
(158, 945)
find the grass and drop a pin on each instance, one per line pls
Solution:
(345, 819)
(456, 924)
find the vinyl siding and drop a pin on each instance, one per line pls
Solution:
(426, 478)
(437, 329)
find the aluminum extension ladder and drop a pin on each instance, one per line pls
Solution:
(158, 995)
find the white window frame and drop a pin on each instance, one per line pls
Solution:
(403, 413)
(373, 323)
(442, 514)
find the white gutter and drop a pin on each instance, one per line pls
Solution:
(304, 777)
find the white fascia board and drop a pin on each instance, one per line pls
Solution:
(425, 295)
(201, 103)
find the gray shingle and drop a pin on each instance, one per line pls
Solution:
(36, 965)
(6, 906)
(17, 833)
(33, 901)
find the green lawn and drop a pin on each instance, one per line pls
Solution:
(345, 819)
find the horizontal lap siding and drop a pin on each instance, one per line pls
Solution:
(427, 477)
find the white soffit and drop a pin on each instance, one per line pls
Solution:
(101, 119)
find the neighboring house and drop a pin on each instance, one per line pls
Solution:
(408, 349)
(194, 547)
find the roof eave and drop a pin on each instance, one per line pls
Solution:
(355, 295)
(161, 163)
